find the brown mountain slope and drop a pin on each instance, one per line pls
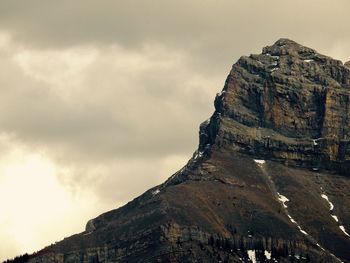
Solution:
(269, 182)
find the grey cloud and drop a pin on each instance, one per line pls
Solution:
(215, 32)
(145, 113)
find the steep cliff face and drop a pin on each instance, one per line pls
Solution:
(288, 104)
(269, 180)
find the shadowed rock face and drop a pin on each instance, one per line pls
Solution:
(269, 178)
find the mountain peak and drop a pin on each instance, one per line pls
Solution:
(288, 104)
(286, 46)
(285, 41)
(264, 185)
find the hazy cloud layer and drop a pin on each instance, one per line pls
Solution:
(213, 32)
(102, 99)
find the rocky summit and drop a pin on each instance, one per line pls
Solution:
(269, 181)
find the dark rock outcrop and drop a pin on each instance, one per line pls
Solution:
(269, 179)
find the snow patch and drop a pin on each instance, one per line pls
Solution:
(260, 162)
(331, 206)
(292, 220)
(315, 141)
(251, 255)
(342, 228)
(274, 57)
(155, 192)
(335, 218)
(298, 226)
(198, 154)
(302, 231)
(283, 200)
(267, 254)
(320, 246)
(207, 121)
(308, 60)
(222, 92)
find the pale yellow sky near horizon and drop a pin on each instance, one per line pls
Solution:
(101, 100)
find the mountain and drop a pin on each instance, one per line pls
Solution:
(269, 181)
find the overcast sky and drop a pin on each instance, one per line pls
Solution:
(101, 100)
